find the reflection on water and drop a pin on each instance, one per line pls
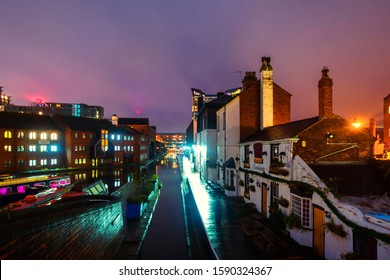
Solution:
(112, 177)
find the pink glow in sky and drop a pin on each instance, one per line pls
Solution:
(141, 58)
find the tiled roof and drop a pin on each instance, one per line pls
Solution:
(282, 131)
(133, 121)
(26, 121)
(352, 179)
(84, 124)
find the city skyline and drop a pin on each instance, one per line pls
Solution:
(141, 58)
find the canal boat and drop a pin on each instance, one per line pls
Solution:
(15, 189)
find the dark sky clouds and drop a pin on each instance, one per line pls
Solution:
(140, 58)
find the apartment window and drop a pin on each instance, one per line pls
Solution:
(118, 137)
(76, 148)
(53, 161)
(7, 163)
(84, 161)
(112, 137)
(54, 136)
(83, 135)
(43, 136)
(43, 161)
(21, 162)
(76, 161)
(7, 134)
(104, 142)
(274, 153)
(301, 207)
(76, 135)
(20, 148)
(7, 148)
(32, 162)
(32, 135)
(32, 148)
(274, 191)
(20, 134)
(43, 148)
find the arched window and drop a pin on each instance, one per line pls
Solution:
(54, 136)
(7, 134)
(43, 136)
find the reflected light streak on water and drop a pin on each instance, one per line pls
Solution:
(199, 191)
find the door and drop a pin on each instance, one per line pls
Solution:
(319, 231)
(264, 203)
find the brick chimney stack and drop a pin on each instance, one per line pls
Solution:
(249, 80)
(266, 93)
(373, 127)
(325, 94)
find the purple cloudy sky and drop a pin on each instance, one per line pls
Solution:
(141, 58)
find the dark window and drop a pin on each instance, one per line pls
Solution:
(274, 153)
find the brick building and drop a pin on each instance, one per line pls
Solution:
(29, 142)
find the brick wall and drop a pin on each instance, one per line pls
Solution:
(249, 111)
(78, 229)
(344, 136)
(282, 105)
(386, 121)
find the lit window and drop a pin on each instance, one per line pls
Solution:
(76, 135)
(7, 148)
(53, 161)
(20, 148)
(54, 136)
(8, 163)
(112, 137)
(43, 161)
(76, 148)
(301, 207)
(32, 135)
(32, 148)
(43, 136)
(43, 148)
(118, 137)
(20, 134)
(53, 148)
(76, 161)
(84, 135)
(104, 142)
(389, 109)
(32, 162)
(7, 134)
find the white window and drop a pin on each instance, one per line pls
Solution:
(112, 137)
(43, 148)
(32, 135)
(32, 148)
(53, 148)
(32, 162)
(53, 161)
(301, 207)
(54, 136)
(118, 137)
(7, 148)
(43, 136)
(20, 134)
(43, 161)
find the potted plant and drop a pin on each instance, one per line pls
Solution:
(135, 206)
(283, 202)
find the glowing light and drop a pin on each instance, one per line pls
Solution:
(356, 123)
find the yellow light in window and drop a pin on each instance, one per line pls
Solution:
(303, 143)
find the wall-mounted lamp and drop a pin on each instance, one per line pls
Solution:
(264, 153)
(327, 214)
(250, 152)
(282, 153)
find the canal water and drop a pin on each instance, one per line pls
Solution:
(166, 236)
